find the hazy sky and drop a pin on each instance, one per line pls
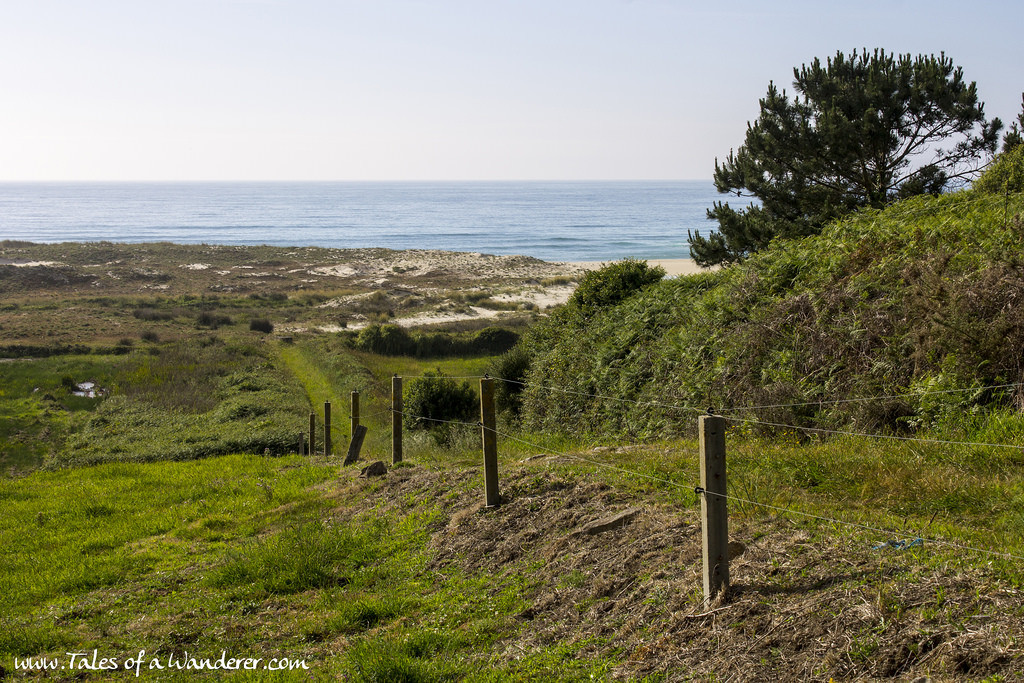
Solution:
(436, 89)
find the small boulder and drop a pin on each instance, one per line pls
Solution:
(374, 469)
(609, 523)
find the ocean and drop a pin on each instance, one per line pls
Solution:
(551, 220)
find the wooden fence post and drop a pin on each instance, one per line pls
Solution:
(355, 414)
(355, 445)
(490, 442)
(312, 433)
(714, 513)
(327, 429)
(396, 419)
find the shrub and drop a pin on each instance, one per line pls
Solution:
(434, 401)
(513, 365)
(388, 340)
(212, 320)
(151, 314)
(492, 340)
(393, 340)
(612, 284)
(884, 303)
(261, 325)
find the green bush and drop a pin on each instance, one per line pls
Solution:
(387, 340)
(393, 340)
(151, 314)
(612, 284)
(491, 340)
(212, 320)
(434, 401)
(512, 366)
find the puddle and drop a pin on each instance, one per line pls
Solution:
(88, 390)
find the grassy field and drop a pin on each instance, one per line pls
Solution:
(408, 577)
(171, 514)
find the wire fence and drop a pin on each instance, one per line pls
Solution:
(887, 533)
(886, 536)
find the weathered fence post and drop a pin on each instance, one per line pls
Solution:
(396, 420)
(490, 442)
(355, 413)
(312, 433)
(355, 445)
(714, 513)
(327, 429)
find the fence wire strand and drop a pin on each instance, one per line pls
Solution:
(796, 427)
(891, 437)
(596, 463)
(857, 525)
(562, 390)
(864, 399)
(434, 419)
(868, 399)
(887, 533)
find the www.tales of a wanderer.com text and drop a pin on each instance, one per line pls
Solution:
(94, 661)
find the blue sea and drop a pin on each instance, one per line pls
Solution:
(555, 221)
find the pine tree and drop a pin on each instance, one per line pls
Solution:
(861, 131)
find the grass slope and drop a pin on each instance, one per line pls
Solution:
(409, 578)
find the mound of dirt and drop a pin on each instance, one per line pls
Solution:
(801, 606)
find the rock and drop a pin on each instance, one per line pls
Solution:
(374, 469)
(610, 523)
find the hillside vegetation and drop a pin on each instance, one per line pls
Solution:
(894, 305)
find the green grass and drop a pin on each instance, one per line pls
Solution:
(192, 399)
(242, 554)
(280, 557)
(306, 362)
(38, 408)
(303, 557)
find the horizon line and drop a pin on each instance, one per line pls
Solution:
(354, 180)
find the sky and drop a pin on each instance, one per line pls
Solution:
(437, 89)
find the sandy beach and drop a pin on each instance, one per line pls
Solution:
(673, 267)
